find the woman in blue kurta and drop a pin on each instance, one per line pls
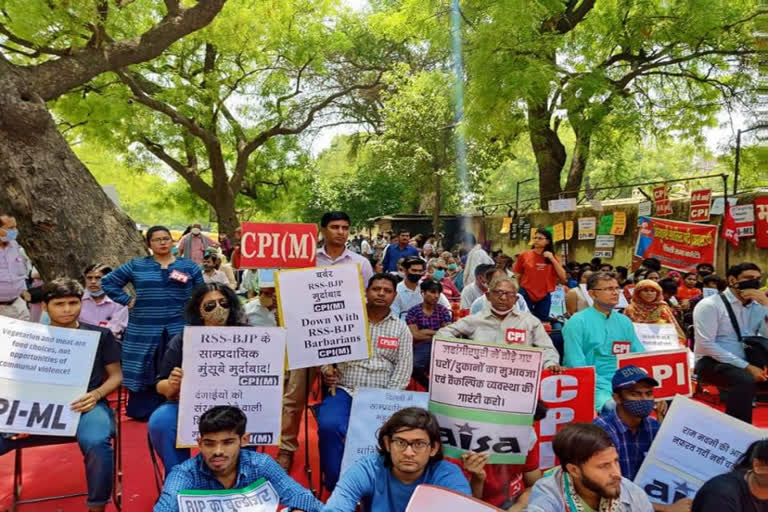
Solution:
(163, 283)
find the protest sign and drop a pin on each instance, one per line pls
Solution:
(260, 496)
(700, 201)
(505, 224)
(662, 201)
(568, 229)
(669, 368)
(43, 369)
(557, 304)
(562, 205)
(605, 242)
(240, 366)
(278, 245)
(761, 222)
(603, 253)
(323, 310)
(569, 398)
(677, 245)
(484, 396)
(587, 228)
(619, 223)
(558, 232)
(695, 443)
(644, 209)
(430, 498)
(718, 205)
(371, 407)
(744, 216)
(657, 336)
(604, 227)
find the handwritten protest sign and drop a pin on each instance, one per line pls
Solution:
(260, 496)
(669, 368)
(587, 228)
(430, 498)
(43, 369)
(569, 397)
(278, 245)
(619, 223)
(744, 216)
(657, 336)
(323, 309)
(240, 366)
(484, 396)
(371, 407)
(562, 205)
(694, 444)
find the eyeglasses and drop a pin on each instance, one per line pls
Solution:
(502, 294)
(165, 240)
(211, 305)
(419, 446)
(613, 289)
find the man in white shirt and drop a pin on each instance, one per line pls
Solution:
(477, 289)
(408, 292)
(476, 256)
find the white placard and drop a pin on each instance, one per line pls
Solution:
(644, 209)
(604, 253)
(587, 228)
(430, 498)
(43, 369)
(257, 497)
(562, 205)
(718, 205)
(371, 407)
(744, 215)
(657, 336)
(605, 242)
(664, 486)
(323, 309)
(240, 366)
(695, 442)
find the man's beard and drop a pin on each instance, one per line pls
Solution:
(603, 492)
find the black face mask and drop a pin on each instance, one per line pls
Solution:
(752, 284)
(705, 273)
(414, 278)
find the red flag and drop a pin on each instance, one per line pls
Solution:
(729, 227)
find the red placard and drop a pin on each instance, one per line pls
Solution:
(761, 222)
(570, 397)
(678, 245)
(663, 203)
(669, 367)
(278, 245)
(700, 201)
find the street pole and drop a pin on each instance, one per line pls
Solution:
(737, 163)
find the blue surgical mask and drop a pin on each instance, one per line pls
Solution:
(439, 274)
(98, 293)
(10, 234)
(638, 408)
(453, 266)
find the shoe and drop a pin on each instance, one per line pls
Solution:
(285, 459)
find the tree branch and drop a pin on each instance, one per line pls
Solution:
(200, 187)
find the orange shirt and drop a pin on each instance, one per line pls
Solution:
(685, 293)
(535, 274)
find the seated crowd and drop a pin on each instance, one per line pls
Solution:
(414, 293)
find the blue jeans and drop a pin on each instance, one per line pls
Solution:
(94, 435)
(422, 352)
(538, 309)
(332, 420)
(162, 429)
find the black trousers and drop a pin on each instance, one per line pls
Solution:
(740, 384)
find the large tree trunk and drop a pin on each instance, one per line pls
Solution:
(226, 215)
(549, 151)
(578, 162)
(66, 221)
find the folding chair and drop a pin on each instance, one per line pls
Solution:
(158, 473)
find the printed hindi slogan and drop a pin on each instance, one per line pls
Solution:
(323, 309)
(43, 370)
(694, 444)
(260, 496)
(492, 389)
(371, 407)
(240, 366)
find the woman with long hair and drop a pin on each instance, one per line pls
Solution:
(211, 305)
(648, 307)
(539, 271)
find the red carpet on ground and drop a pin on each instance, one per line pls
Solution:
(55, 470)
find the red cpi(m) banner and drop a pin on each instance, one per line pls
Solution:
(570, 397)
(761, 222)
(278, 245)
(677, 245)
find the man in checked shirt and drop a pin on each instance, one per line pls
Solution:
(389, 367)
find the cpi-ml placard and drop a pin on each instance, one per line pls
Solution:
(323, 310)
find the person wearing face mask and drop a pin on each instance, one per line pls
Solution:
(211, 305)
(440, 274)
(424, 320)
(703, 270)
(720, 323)
(193, 245)
(408, 293)
(596, 335)
(98, 309)
(13, 271)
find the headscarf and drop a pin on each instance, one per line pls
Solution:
(655, 311)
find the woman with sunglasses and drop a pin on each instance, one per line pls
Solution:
(211, 305)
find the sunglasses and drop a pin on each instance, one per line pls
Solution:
(211, 305)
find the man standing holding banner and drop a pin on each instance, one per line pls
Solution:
(389, 367)
(334, 226)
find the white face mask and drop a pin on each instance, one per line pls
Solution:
(502, 313)
(195, 231)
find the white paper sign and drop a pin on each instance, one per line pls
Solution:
(695, 442)
(664, 486)
(587, 228)
(323, 309)
(604, 253)
(240, 366)
(718, 205)
(644, 209)
(257, 497)
(43, 369)
(371, 407)
(744, 215)
(562, 205)
(430, 498)
(605, 241)
(657, 336)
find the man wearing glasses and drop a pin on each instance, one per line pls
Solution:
(410, 454)
(500, 322)
(596, 335)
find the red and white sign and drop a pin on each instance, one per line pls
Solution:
(729, 227)
(662, 201)
(515, 336)
(669, 367)
(278, 245)
(761, 222)
(700, 201)
(570, 397)
(621, 347)
(388, 342)
(744, 215)
(179, 276)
